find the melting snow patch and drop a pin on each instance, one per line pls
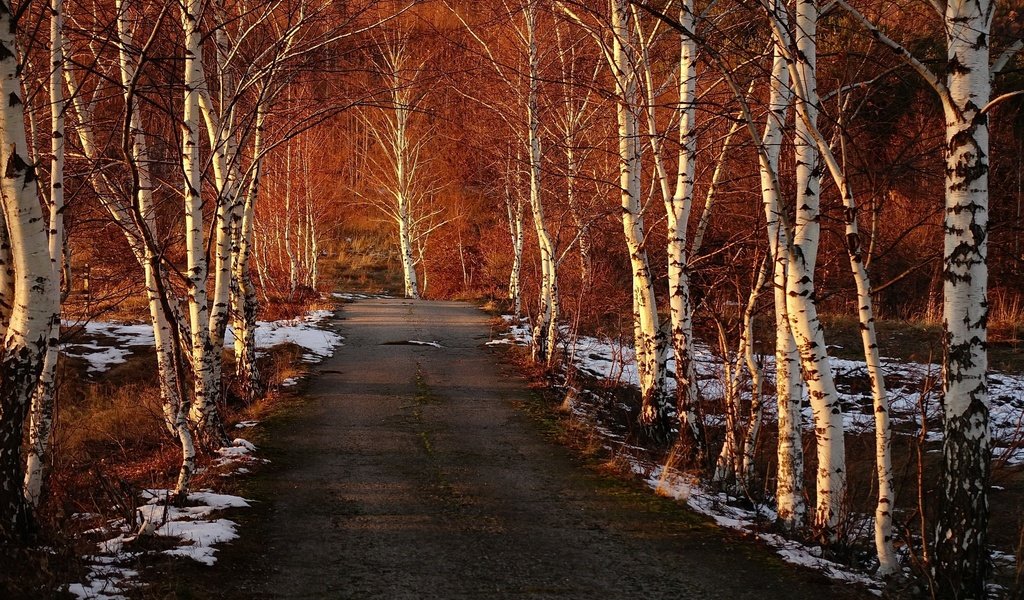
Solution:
(246, 424)
(306, 332)
(109, 579)
(103, 344)
(240, 452)
(616, 362)
(422, 343)
(357, 296)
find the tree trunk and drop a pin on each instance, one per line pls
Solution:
(679, 206)
(801, 304)
(545, 330)
(789, 491)
(204, 413)
(44, 397)
(961, 556)
(514, 206)
(656, 411)
(35, 299)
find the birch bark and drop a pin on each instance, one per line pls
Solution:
(800, 300)
(961, 556)
(789, 491)
(960, 565)
(140, 238)
(545, 331)
(203, 413)
(44, 397)
(34, 292)
(656, 411)
(244, 298)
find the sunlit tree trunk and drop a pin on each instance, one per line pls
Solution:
(6, 279)
(679, 207)
(244, 299)
(204, 413)
(35, 300)
(656, 411)
(545, 331)
(961, 555)
(219, 119)
(44, 397)
(514, 207)
(801, 304)
(402, 175)
(141, 237)
(788, 383)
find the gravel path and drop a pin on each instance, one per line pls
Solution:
(408, 472)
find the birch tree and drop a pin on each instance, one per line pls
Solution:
(403, 147)
(789, 495)
(650, 344)
(960, 563)
(678, 207)
(34, 293)
(44, 397)
(204, 413)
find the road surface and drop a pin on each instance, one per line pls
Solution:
(410, 471)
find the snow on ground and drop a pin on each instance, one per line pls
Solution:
(350, 296)
(103, 344)
(195, 527)
(615, 362)
(717, 505)
(306, 332)
(422, 343)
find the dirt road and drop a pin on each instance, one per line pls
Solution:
(408, 472)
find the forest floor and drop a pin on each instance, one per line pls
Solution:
(416, 463)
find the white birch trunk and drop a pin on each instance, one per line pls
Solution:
(888, 562)
(789, 492)
(403, 187)
(244, 293)
(801, 305)
(204, 413)
(44, 397)
(6, 279)
(514, 206)
(961, 555)
(165, 332)
(34, 293)
(678, 208)
(960, 564)
(545, 330)
(656, 411)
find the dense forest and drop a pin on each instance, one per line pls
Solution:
(783, 185)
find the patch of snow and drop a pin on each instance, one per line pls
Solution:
(359, 296)
(422, 343)
(615, 362)
(246, 424)
(103, 344)
(307, 332)
(192, 525)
